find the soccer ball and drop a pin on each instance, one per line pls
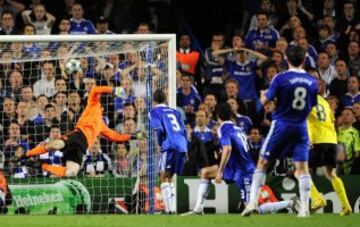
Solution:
(73, 65)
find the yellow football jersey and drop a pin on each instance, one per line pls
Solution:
(321, 123)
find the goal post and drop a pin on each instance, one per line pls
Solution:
(154, 68)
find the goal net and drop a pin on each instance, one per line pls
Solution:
(45, 82)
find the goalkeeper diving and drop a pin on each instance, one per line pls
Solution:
(75, 143)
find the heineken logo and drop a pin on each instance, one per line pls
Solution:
(34, 200)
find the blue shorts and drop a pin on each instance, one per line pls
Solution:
(172, 161)
(286, 138)
(242, 181)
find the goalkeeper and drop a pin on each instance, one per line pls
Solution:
(74, 144)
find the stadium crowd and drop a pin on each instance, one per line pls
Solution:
(41, 101)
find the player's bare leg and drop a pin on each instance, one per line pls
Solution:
(302, 170)
(206, 174)
(258, 181)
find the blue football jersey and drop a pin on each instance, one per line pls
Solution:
(348, 100)
(260, 40)
(244, 123)
(193, 99)
(204, 136)
(170, 128)
(245, 74)
(295, 92)
(240, 158)
(82, 28)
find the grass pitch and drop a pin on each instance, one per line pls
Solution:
(277, 220)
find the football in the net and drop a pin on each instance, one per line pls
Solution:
(73, 65)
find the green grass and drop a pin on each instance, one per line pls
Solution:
(277, 220)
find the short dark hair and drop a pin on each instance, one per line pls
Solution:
(224, 112)
(159, 96)
(48, 106)
(295, 55)
(262, 13)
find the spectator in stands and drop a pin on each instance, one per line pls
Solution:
(244, 71)
(269, 8)
(40, 19)
(266, 117)
(46, 85)
(13, 141)
(201, 130)
(243, 122)
(295, 8)
(356, 108)
(102, 26)
(326, 70)
(60, 102)
(11, 6)
(95, 162)
(143, 28)
(69, 117)
(300, 34)
(30, 49)
(188, 59)
(211, 101)
(324, 33)
(7, 24)
(348, 19)
(8, 112)
(122, 166)
(60, 85)
(126, 84)
(287, 30)
(108, 75)
(129, 112)
(232, 91)
(64, 27)
(329, 8)
(42, 130)
(129, 126)
(310, 61)
(214, 65)
(334, 104)
(353, 94)
(79, 25)
(279, 58)
(332, 50)
(338, 86)
(255, 141)
(16, 82)
(77, 82)
(187, 97)
(20, 170)
(263, 38)
(52, 157)
(41, 102)
(348, 139)
(270, 73)
(26, 95)
(353, 58)
(27, 127)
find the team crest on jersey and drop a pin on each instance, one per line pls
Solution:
(192, 101)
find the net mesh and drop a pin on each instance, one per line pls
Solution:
(44, 89)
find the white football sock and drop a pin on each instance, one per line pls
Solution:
(202, 194)
(258, 181)
(274, 206)
(304, 188)
(172, 198)
(165, 193)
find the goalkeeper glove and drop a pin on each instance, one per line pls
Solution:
(139, 135)
(119, 92)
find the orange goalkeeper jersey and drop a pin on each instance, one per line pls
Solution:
(3, 184)
(91, 122)
(266, 195)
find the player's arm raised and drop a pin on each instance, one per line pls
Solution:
(226, 152)
(113, 135)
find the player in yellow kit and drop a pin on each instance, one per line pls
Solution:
(323, 139)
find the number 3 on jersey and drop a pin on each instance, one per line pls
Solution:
(299, 101)
(174, 122)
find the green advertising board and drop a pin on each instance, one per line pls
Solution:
(102, 195)
(225, 198)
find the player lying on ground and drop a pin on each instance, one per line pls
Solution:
(74, 144)
(171, 132)
(268, 203)
(295, 92)
(323, 138)
(236, 163)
